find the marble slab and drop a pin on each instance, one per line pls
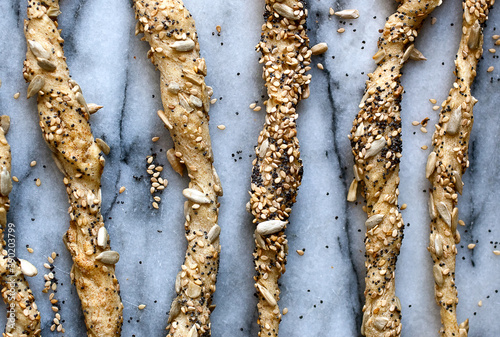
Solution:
(323, 289)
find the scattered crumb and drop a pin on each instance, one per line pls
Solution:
(122, 189)
(433, 21)
(433, 101)
(142, 306)
(300, 252)
(320, 66)
(490, 69)
(471, 245)
(30, 250)
(155, 139)
(424, 130)
(16, 95)
(218, 28)
(340, 30)
(221, 127)
(403, 206)
(424, 121)
(38, 182)
(496, 252)
(285, 310)
(15, 179)
(415, 123)
(33, 163)
(424, 147)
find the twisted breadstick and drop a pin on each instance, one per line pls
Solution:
(23, 318)
(447, 163)
(170, 30)
(64, 121)
(376, 145)
(277, 170)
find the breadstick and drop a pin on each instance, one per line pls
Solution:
(376, 146)
(447, 163)
(170, 30)
(64, 117)
(23, 317)
(277, 170)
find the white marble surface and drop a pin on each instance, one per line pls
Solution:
(322, 289)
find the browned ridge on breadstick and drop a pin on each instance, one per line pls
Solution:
(170, 30)
(277, 170)
(23, 317)
(447, 163)
(64, 120)
(376, 146)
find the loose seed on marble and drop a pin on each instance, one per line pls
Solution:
(141, 306)
(319, 48)
(348, 14)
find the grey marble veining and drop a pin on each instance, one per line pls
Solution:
(323, 289)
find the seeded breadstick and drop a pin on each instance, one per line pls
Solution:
(376, 145)
(64, 121)
(23, 318)
(447, 163)
(170, 30)
(277, 170)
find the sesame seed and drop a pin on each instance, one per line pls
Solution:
(300, 252)
(155, 139)
(492, 50)
(424, 147)
(50, 259)
(46, 265)
(424, 130)
(53, 255)
(15, 179)
(253, 105)
(497, 43)
(461, 222)
(490, 69)
(257, 108)
(415, 123)
(33, 163)
(495, 37)
(213, 101)
(122, 189)
(471, 245)
(433, 21)
(285, 310)
(218, 28)
(30, 249)
(433, 101)
(38, 182)
(155, 205)
(496, 252)
(340, 30)
(331, 11)
(221, 127)
(435, 107)
(480, 303)
(16, 95)
(403, 206)
(142, 306)
(320, 66)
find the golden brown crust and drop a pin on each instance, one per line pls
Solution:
(376, 145)
(277, 170)
(64, 122)
(170, 30)
(447, 163)
(23, 317)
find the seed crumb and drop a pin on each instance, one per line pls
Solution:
(403, 206)
(285, 310)
(33, 163)
(415, 123)
(38, 182)
(320, 66)
(496, 252)
(424, 147)
(340, 30)
(221, 127)
(142, 306)
(155, 139)
(435, 107)
(424, 130)
(471, 245)
(490, 69)
(122, 189)
(433, 101)
(218, 28)
(433, 21)
(300, 252)
(30, 250)
(15, 179)
(16, 95)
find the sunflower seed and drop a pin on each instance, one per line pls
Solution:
(432, 208)
(195, 101)
(455, 120)
(102, 145)
(416, 55)
(193, 290)
(141, 306)
(285, 11)
(175, 162)
(175, 310)
(5, 182)
(438, 275)
(46, 64)
(193, 332)
(183, 46)
(348, 14)
(184, 103)
(380, 322)
(35, 85)
(263, 148)
(431, 164)
(27, 268)
(259, 241)
(37, 50)
(459, 185)
(214, 233)
(267, 295)
(464, 325)
(195, 196)
(376, 147)
(108, 257)
(353, 190)
(178, 286)
(373, 221)
(438, 245)
(319, 48)
(102, 237)
(270, 227)
(454, 219)
(444, 212)
(356, 172)
(379, 55)
(93, 108)
(81, 100)
(363, 323)
(398, 303)
(53, 12)
(173, 88)
(407, 54)
(360, 130)
(5, 123)
(58, 163)
(462, 332)
(474, 36)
